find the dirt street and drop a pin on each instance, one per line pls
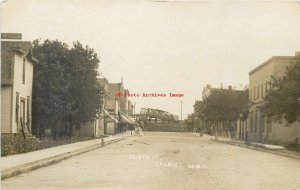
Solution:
(176, 161)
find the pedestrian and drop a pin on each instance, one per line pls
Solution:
(102, 142)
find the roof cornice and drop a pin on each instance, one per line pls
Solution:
(269, 61)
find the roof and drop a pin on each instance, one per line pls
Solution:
(7, 48)
(270, 61)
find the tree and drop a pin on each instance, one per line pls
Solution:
(222, 106)
(283, 100)
(65, 87)
(85, 89)
(49, 85)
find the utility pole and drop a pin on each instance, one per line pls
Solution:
(181, 110)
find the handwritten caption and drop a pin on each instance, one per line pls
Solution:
(166, 164)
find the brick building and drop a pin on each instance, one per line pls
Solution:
(259, 127)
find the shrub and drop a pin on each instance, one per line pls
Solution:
(16, 144)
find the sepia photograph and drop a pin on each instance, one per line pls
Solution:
(150, 94)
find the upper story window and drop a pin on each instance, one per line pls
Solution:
(256, 92)
(23, 72)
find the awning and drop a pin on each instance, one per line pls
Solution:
(106, 113)
(126, 119)
(131, 119)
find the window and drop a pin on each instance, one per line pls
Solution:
(17, 107)
(23, 73)
(258, 91)
(254, 94)
(262, 90)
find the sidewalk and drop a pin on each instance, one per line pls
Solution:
(273, 149)
(21, 163)
(269, 148)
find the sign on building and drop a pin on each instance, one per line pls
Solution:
(15, 36)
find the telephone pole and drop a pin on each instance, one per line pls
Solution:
(181, 110)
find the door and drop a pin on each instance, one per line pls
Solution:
(22, 115)
(262, 124)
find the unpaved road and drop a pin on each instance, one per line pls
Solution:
(164, 161)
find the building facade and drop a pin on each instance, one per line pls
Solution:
(207, 90)
(114, 114)
(99, 122)
(117, 88)
(16, 86)
(108, 119)
(259, 127)
(112, 117)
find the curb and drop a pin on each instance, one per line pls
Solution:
(261, 149)
(17, 170)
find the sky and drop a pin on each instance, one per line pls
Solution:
(165, 46)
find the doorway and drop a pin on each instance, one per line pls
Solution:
(22, 115)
